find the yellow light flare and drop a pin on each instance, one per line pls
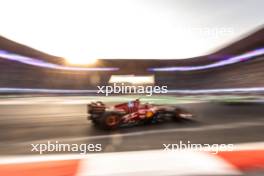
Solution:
(148, 79)
(81, 61)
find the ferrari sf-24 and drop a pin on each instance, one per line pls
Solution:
(133, 112)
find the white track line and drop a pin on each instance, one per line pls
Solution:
(161, 131)
(156, 162)
(151, 162)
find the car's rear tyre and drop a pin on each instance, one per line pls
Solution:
(110, 120)
(95, 122)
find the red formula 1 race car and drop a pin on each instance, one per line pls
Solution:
(133, 112)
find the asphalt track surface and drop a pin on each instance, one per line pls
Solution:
(216, 123)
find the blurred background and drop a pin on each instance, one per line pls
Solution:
(55, 54)
(246, 72)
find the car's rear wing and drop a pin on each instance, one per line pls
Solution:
(96, 107)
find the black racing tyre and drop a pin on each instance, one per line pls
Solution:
(95, 122)
(110, 120)
(148, 121)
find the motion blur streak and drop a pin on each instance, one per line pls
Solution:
(227, 90)
(29, 90)
(232, 60)
(41, 63)
(180, 91)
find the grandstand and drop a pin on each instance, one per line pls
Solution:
(244, 74)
